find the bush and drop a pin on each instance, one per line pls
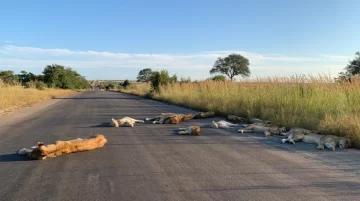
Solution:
(125, 84)
(158, 79)
(35, 84)
(218, 78)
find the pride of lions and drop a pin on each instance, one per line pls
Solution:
(252, 125)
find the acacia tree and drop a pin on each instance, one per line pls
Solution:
(144, 75)
(231, 66)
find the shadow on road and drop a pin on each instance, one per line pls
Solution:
(12, 157)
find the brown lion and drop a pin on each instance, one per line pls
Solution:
(42, 151)
(191, 130)
(170, 118)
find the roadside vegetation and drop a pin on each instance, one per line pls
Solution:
(312, 102)
(25, 89)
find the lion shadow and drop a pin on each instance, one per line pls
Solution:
(13, 157)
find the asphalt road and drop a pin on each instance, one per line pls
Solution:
(149, 162)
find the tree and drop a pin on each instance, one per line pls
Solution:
(218, 78)
(9, 77)
(185, 80)
(65, 78)
(352, 69)
(173, 79)
(161, 78)
(125, 84)
(26, 77)
(144, 75)
(232, 65)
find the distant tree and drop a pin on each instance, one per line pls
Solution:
(173, 79)
(185, 80)
(25, 77)
(126, 84)
(9, 77)
(66, 78)
(144, 75)
(218, 78)
(352, 69)
(161, 78)
(231, 66)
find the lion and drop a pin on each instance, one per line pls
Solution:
(191, 130)
(254, 128)
(236, 119)
(222, 124)
(328, 141)
(170, 118)
(42, 151)
(332, 141)
(124, 122)
(203, 115)
(259, 121)
(301, 136)
(297, 129)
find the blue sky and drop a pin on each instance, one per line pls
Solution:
(115, 39)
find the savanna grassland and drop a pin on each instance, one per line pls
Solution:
(16, 96)
(313, 102)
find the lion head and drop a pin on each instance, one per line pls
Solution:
(113, 123)
(37, 153)
(195, 130)
(344, 143)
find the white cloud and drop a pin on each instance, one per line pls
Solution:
(184, 65)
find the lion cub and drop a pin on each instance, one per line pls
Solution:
(124, 122)
(191, 130)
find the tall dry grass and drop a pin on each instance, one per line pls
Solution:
(16, 96)
(313, 102)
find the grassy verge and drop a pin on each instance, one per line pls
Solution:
(14, 97)
(308, 102)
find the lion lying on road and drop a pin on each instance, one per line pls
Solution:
(222, 124)
(236, 119)
(124, 122)
(328, 141)
(170, 118)
(191, 130)
(299, 130)
(42, 151)
(203, 115)
(254, 128)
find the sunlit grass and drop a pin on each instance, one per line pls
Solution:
(313, 102)
(13, 97)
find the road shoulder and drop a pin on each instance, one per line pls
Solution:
(24, 113)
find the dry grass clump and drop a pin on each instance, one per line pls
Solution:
(16, 96)
(312, 102)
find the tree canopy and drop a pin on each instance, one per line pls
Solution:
(352, 69)
(231, 66)
(144, 75)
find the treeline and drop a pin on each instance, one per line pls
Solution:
(158, 78)
(53, 76)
